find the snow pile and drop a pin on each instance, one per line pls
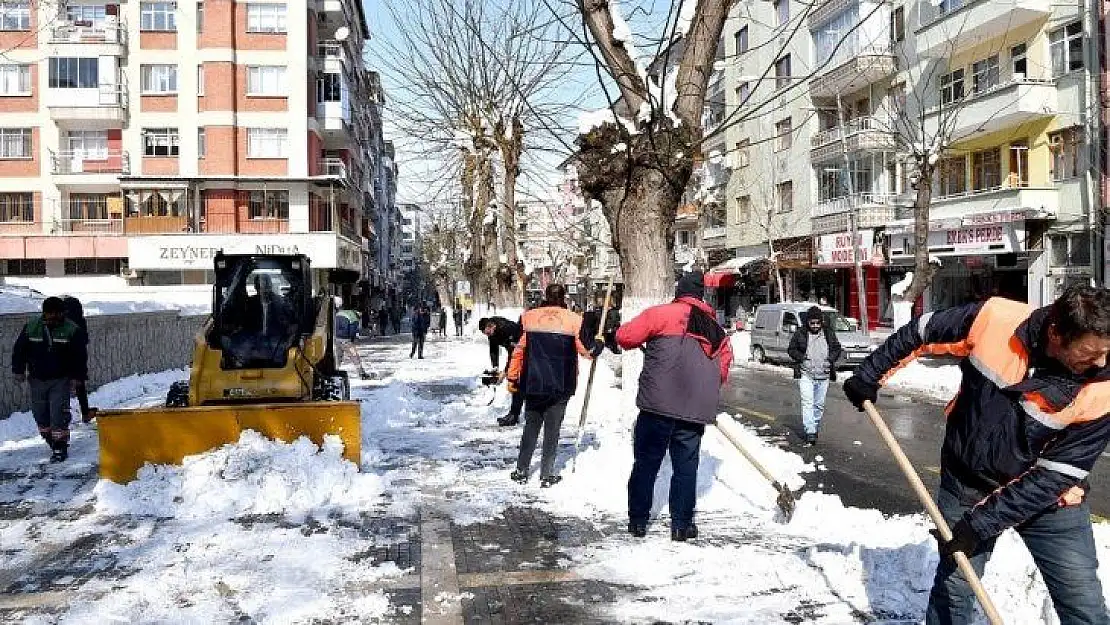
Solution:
(934, 378)
(17, 303)
(254, 476)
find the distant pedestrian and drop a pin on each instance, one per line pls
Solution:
(421, 321)
(75, 312)
(686, 361)
(504, 334)
(443, 321)
(458, 318)
(544, 368)
(815, 351)
(397, 312)
(383, 320)
(51, 353)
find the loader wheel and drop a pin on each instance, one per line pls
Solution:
(178, 397)
(332, 388)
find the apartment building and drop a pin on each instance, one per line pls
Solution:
(1006, 92)
(139, 138)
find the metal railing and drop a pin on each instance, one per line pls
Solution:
(90, 226)
(68, 162)
(971, 95)
(67, 31)
(330, 50)
(847, 129)
(333, 166)
(1010, 184)
(849, 202)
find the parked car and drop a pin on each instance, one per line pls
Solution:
(775, 324)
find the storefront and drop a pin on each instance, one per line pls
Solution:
(980, 256)
(833, 280)
(736, 286)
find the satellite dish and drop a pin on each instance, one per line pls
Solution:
(342, 33)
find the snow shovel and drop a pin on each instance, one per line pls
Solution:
(934, 513)
(590, 380)
(785, 500)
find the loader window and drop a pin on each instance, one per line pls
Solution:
(259, 312)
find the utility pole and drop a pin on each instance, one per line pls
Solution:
(861, 286)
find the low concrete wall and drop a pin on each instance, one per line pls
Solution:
(119, 346)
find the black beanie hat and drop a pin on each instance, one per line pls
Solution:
(691, 284)
(814, 313)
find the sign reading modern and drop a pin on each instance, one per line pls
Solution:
(836, 250)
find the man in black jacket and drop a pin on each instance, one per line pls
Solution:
(421, 321)
(503, 334)
(52, 350)
(1021, 436)
(815, 351)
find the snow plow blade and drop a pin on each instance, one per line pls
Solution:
(131, 438)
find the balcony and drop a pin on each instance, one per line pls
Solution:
(332, 55)
(334, 119)
(107, 38)
(872, 209)
(1011, 196)
(333, 167)
(89, 226)
(19, 227)
(89, 109)
(1006, 105)
(234, 223)
(853, 70)
(977, 21)
(68, 163)
(861, 134)
(156, 224)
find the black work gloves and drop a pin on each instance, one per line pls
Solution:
(612, 323)
(859, 391)
(963, 540)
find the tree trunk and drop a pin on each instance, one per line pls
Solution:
(474, 213)
(510, 276)
(923, 269)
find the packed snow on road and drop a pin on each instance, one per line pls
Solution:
(278, 532)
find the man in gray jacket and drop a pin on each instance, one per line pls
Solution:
(815, 350)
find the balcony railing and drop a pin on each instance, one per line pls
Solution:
(89, 32)
(91, 226)
(851, 202)
(851, 127)
(330, 50)
(80, 162)
(333, 166)
(713, 233)
(232, 223)
(20, 227)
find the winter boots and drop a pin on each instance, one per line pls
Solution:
(508, 420)
(689, 532)
(61, 452)
(518, 476)
(549, 481)
(638, 530)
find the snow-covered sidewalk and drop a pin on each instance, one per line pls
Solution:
(289, 533)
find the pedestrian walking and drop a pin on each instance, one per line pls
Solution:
(458, 315)
(504, 334)
(398, 311)
(75, 312)
(687, 357)
(442, 321)
(383, 320)
(50, 353)
(421, 321)
(1020, 439)
(815, 351)
(544, 368)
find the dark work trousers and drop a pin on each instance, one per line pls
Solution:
(518, 403)
(1063, 548)
(417, 344)
(50, 407)
(83, 398)
(548, 414)
(653, 436)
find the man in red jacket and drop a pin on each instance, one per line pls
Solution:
(686, 360)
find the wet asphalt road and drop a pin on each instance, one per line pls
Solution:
(857, 466)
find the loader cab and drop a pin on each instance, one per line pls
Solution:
(262, 306)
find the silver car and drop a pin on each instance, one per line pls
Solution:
(775, 324)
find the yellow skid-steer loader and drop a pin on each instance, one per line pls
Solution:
(265, 360)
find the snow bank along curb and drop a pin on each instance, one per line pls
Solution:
(119, 346)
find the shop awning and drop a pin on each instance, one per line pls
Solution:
(726, 274)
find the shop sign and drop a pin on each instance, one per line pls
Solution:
(835, 250)
(192, 251)
(1004, 238)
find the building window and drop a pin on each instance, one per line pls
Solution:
(15, 80)
(26, 267)
(986, 170)
(200, 80)
(92, 266)
(200, 17)
(784, 137)
(952, 176)
(202, 144)
(1071, 250)
(784, 196)
(782, 12)
(269, 205)
(86, 13)
(156, 203)
(1066, 45)
(74, 73)
(716, 216)
(744, 209)
(15, 15)
(160, 142)
(265, 18)
(329, 88)
(897, 25)
(88, 206)
(984, 75)
(684, 237)
(158, 16)
(744, 93)
(17, 207)
(158, 79)
(838, 40)
(267, 143)
(952, 87)
(782, 72)
(741, 40)
(15, 143)
(742, 156)
(1018, 60)
(947, 6)
(1067, 148)
(267, 80)
(87, 144)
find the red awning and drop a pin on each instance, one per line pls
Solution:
(720, 280)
